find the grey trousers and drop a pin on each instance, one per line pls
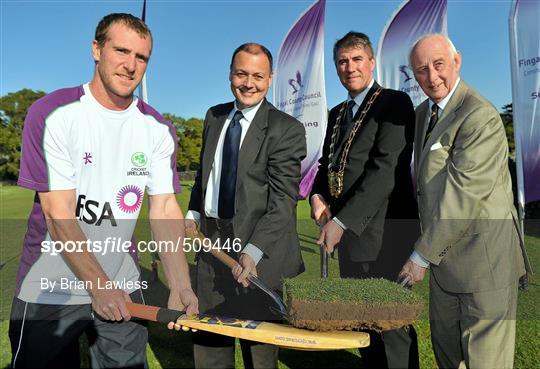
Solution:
(473, 330)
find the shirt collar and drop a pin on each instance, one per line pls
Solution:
(248, 113)
(442, 104)
(359, 99)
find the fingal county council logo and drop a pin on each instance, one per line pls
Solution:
(138, 159)
(403, 70)
(296, 84)
(129, 199)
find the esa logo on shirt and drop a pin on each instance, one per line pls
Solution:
(90, 212)
(139, 161)
(129, 200)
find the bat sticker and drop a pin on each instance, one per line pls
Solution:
(231, 322)
(296, 340)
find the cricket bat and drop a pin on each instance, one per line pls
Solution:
(281, 335)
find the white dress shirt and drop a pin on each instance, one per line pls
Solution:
(442, 104)
(211, 199)
(416, 257)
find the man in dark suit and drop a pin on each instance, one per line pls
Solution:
(364, 187)
(245, 193)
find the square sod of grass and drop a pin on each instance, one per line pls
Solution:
(345, 304)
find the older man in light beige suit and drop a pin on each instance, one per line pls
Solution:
(470, 238)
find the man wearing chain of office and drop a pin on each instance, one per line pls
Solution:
(362, 196)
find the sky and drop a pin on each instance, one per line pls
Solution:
(45, 45)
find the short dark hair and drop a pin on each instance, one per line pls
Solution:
(254, 49)
(353, 40)
(129, 20)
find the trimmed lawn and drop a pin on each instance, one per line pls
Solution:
(173, 349)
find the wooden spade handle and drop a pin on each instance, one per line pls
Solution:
(231, 263)
(220, 255)
(224, 258)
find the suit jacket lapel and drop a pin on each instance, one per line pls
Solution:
(446, 119)
(212, 136)
(420, 132)
(358, 112)
(252, 141)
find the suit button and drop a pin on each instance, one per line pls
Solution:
(418, 193)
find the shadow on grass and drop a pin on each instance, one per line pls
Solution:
(308, 250)
(311, 242)
(309, 238)
(319, 359)
(532, 227)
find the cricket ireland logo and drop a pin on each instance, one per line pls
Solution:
(139, 162)
(138, 159)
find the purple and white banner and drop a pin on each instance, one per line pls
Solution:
(299, 84)
(525, 64)
(411, 20)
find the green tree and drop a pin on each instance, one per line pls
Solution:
(508, 121)
(13, 109)
(532, 209)
(189, 134)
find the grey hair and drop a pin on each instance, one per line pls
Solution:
(453, 50)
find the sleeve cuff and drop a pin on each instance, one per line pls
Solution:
(339, 223)
(254, 252)
(193, 215)
(419, 260)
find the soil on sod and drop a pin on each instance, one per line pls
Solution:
(346, 304)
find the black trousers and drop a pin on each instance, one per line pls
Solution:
(47, 336)
(220, 294)
(397, 348)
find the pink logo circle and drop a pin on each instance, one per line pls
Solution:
(129, 199)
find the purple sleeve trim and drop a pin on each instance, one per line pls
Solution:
(31, 185)
(33, 173)
(35, 234)
(148, 110)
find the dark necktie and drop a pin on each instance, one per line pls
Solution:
(229, 166)
(433, 118)
(347, 122)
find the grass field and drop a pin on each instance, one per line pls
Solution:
(173, 349)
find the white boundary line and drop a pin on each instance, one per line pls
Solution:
(20, 338)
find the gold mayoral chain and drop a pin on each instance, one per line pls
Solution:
(335, 178)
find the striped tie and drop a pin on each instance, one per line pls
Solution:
(433, 118)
